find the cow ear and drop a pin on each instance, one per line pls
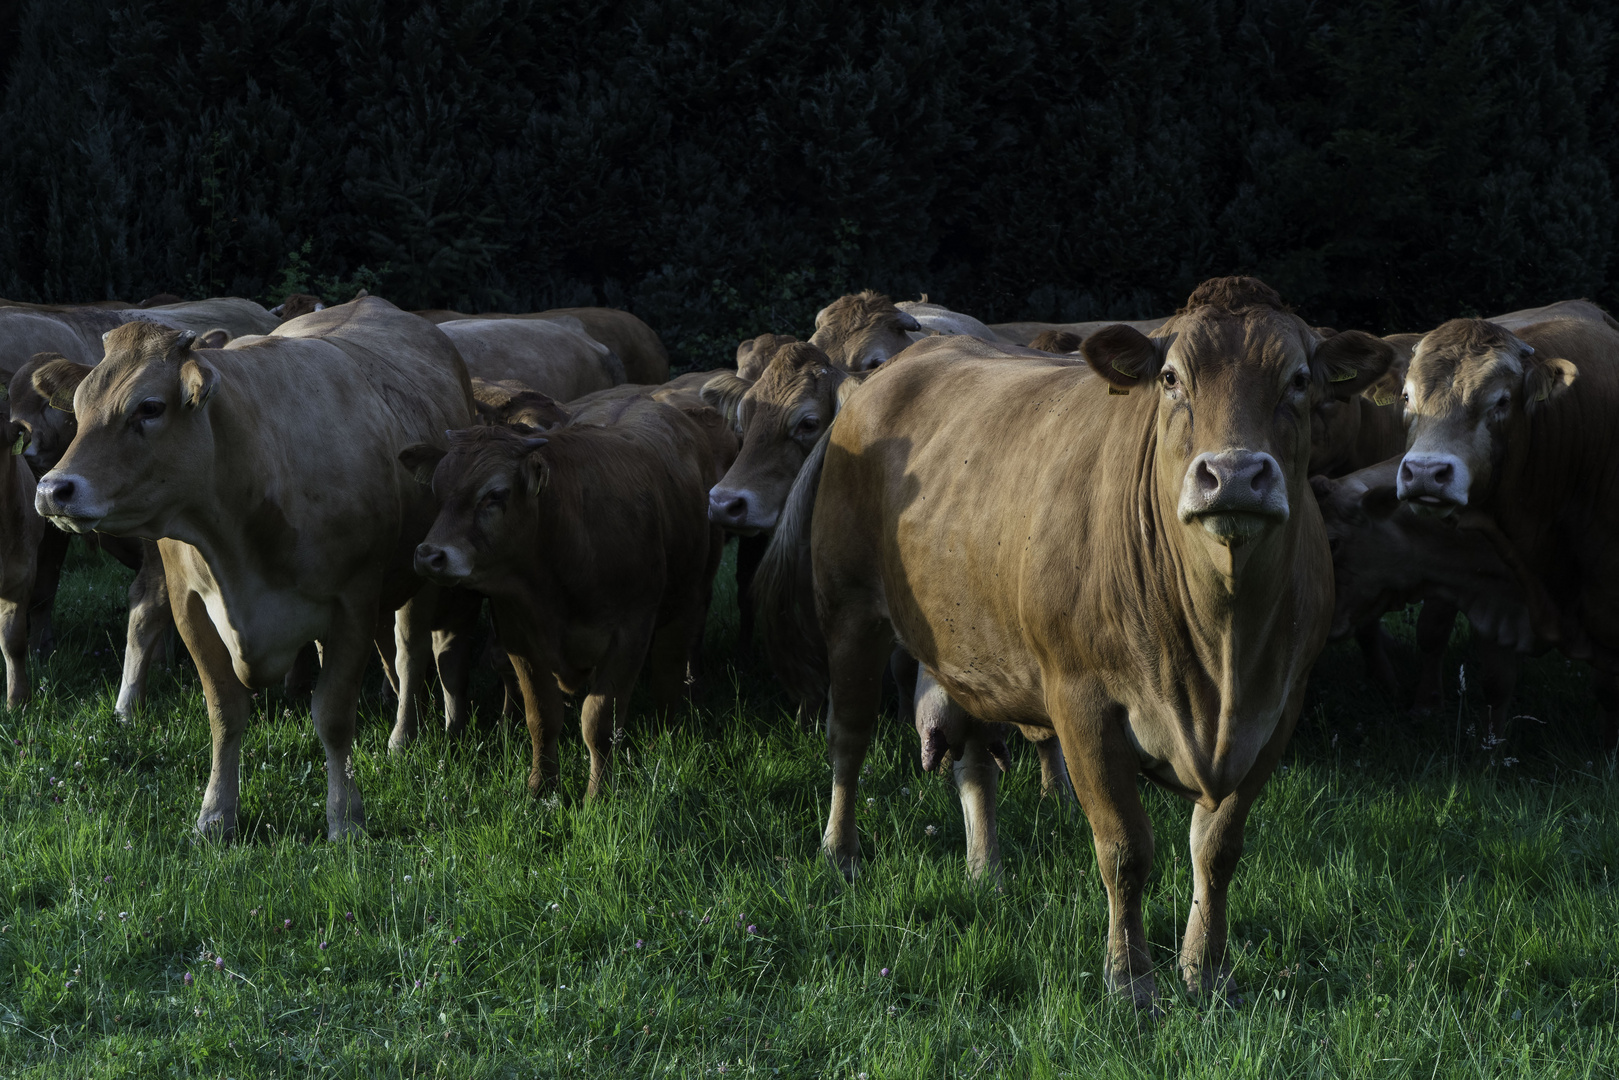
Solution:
(1350, 361)
(217, 338)
(723, 393)
(1124, 356)
(907, 322)
(198, 381)
(1323, 486)
(1544, 379)
(421, 459)
(56, 381)
(535, 468)
(1379, 503)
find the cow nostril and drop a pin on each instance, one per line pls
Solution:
(1207, 480)
(1406, 473)
(1444, 474)
(1263, 477)
(62, 490)
(737, 508)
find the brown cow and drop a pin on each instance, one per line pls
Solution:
(753, 355)
(553, 356)
(635, 343)
(1513, 425)
(862, 330)
(297, 304)
(594, 549)
(1024, 333)
(20, 532)
(1056, 341)
(1154, 591)
(267, 471)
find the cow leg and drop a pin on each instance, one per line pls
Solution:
(1216, 843)
(53, 545)
(453, 642)
(1434, 624)
(750, 552)
(228, 709)
(344, 653)
(978, 774)
(543, 709)
(1605, 687)
(1104, 766)
(150, 617)
(14, 642)
(857, 654)
(1373, 642)
(300, 679)
(413, 652)
(603, 716)
(1053, 769)
(1498, 675)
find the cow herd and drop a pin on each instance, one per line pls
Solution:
(1128, 541)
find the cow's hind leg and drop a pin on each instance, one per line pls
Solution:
(454, 635)
(606, 709)
(344, 654)
(150, 617)
(1053, 768)
(543, 709)
(53, 545)
(14, 642)
(1104, 767)
(858, 649)
(413, 654)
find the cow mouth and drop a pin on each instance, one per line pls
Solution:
(1235, 527)
(74, 524)
(1433, 505)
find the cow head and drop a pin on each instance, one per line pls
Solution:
(488, 483)
(1056, 341)
(862, 331)
(1372, 558)
(753, 355)
(1470, 392)
(1234, 376)
(41, 393)
(781, 417)
(297, 304)
(513, 405)
(142, 435)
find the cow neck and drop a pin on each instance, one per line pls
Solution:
(1212, 606)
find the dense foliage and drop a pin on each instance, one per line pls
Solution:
(723, 168)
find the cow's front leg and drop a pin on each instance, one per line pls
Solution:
(228, 709)
(602, 720)
(413, 656)
(543, 709)
(1104, 767)
(344, 653)
(150, 617)
(1216, 843)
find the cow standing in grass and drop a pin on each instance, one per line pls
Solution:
(1146, 574)
(267, 471)
(593, 545)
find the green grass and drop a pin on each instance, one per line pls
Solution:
(1400, 912)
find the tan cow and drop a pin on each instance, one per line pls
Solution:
(232, 315)
(594, 549)
(297, 304)
(635, 343)
(1056, 341)
(553, 356)
(754, 354)
(1024, 333)
(938, 319)
(1059, 555)
(860, 331)
(267, 472)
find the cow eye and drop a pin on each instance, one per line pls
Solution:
(497, 496)
(808, 426)
(150, 409)
(1405, 398)
(1301, 380)
(1170, 380)
(1503, 401)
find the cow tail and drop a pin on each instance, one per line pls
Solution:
(784, 592)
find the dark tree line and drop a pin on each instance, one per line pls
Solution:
(723, 168)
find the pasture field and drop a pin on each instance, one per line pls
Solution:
(1410, 905)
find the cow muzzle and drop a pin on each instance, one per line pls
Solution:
(1234, 494)
(69, 502)
(443, 565)
(738, 509)
(1433, 483)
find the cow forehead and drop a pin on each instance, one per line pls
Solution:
(1462, 374)
(119, 378)
(1259, 340)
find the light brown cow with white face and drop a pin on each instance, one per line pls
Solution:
(781, 416)
(863, 330)
(267, 473)
(593, 547)
(1145, 574)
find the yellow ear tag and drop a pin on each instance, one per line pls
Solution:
(1111, 389)
(20, 445)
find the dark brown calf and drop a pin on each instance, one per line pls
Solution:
(593, 545)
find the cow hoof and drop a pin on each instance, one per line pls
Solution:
(1216, 986)
(219, 827)
(352, 829)
(1142, 990)
(845, 863)
(398, 742)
